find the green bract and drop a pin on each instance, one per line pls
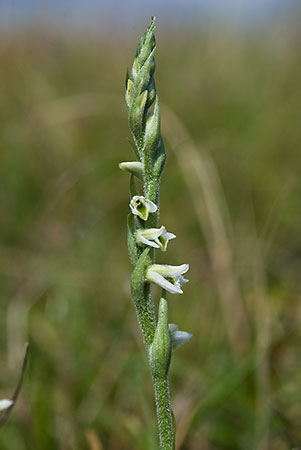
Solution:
(160, 351)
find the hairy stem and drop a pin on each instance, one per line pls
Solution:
(164, 414)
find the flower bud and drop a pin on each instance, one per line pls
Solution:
(129, 93)
(151, 93)
(146, 73)
(133, 167)
(152, 129)
(137, 111)
(160, 350)
(138, 279)
(146, 44)
(135, 69)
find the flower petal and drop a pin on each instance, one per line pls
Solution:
(141, 239)
(170, 271)
(4, 404)
(164, 238)
(173, 327)
(152, 233)
(179, 338)
(149, 237)
(183, 280)
(154, 277)
(159, 236)
(152, 206)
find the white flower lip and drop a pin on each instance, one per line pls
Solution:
(154, 237)
(178, 337)
(167, 277)
(4, 404)
(142, 207)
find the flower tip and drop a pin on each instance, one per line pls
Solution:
(5, 404)
(152, 23)
(185, 268)
(173, 288)
(178, 337)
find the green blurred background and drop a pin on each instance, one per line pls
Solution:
(231, 113)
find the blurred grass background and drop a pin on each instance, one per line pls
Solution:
(231, 113)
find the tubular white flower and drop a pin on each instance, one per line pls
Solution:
(4, 404)
(154, 237)
(149, 236)
(141, 206)
(133, 167)
(178, 337)
(168, 277)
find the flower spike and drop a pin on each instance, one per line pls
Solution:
(145, 236)
(167, 277)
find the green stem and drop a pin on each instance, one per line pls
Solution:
(165, 415)
(147, 322)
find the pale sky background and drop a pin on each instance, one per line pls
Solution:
(123, 13)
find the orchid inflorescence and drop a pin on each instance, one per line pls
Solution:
(144, 235)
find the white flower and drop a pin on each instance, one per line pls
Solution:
(134, 167)
(168, 277)
(178, 337)
(154, 237)
(4, 404)
(141, 206)
(164, 238)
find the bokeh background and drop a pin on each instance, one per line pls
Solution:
(228, 77)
